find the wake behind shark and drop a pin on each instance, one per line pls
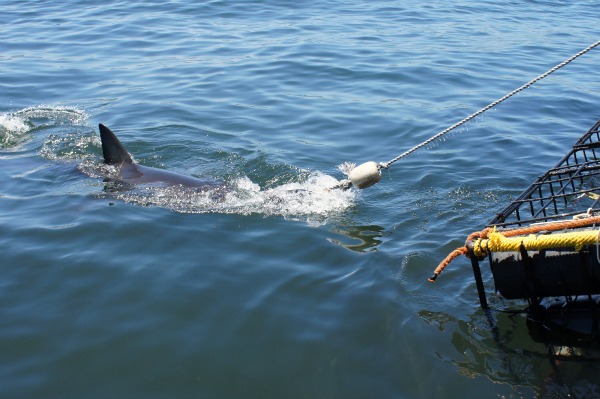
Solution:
(132, 173)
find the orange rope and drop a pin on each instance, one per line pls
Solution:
(554, 226)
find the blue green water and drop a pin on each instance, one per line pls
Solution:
(280, 289)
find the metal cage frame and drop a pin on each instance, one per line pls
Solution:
(557, 193)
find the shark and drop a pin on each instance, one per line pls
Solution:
(132, 173)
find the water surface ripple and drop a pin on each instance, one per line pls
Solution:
(279, 288)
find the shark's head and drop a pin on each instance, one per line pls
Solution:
(112, 149)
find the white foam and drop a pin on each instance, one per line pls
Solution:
(55, 114)
(69, 146)
(13, 123)
(12, 128)
(293, 200)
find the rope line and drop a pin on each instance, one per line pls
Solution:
(386, 165)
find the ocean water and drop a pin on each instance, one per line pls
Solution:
(279, 288)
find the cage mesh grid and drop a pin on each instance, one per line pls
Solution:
(570, 188)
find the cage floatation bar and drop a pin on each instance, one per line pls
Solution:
(531, 238)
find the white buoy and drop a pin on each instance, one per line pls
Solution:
(365, 175)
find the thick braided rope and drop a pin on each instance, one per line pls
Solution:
(478, 238)
(500, 243)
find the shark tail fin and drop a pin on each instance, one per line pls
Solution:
(112, 149)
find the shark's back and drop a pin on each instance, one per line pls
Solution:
(129, 172)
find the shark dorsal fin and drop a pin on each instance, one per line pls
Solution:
(112, 149)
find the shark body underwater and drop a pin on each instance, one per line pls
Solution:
(132, 173)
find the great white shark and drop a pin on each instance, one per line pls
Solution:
(130, 172)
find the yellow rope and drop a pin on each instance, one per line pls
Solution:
(489, 240)
(497, 242)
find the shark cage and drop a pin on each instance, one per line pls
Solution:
(543, 248)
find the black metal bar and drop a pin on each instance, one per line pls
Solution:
(479, 282)
(530, 281)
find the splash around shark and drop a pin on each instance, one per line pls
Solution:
(192, 195)
(132, 173)
(62, 135)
